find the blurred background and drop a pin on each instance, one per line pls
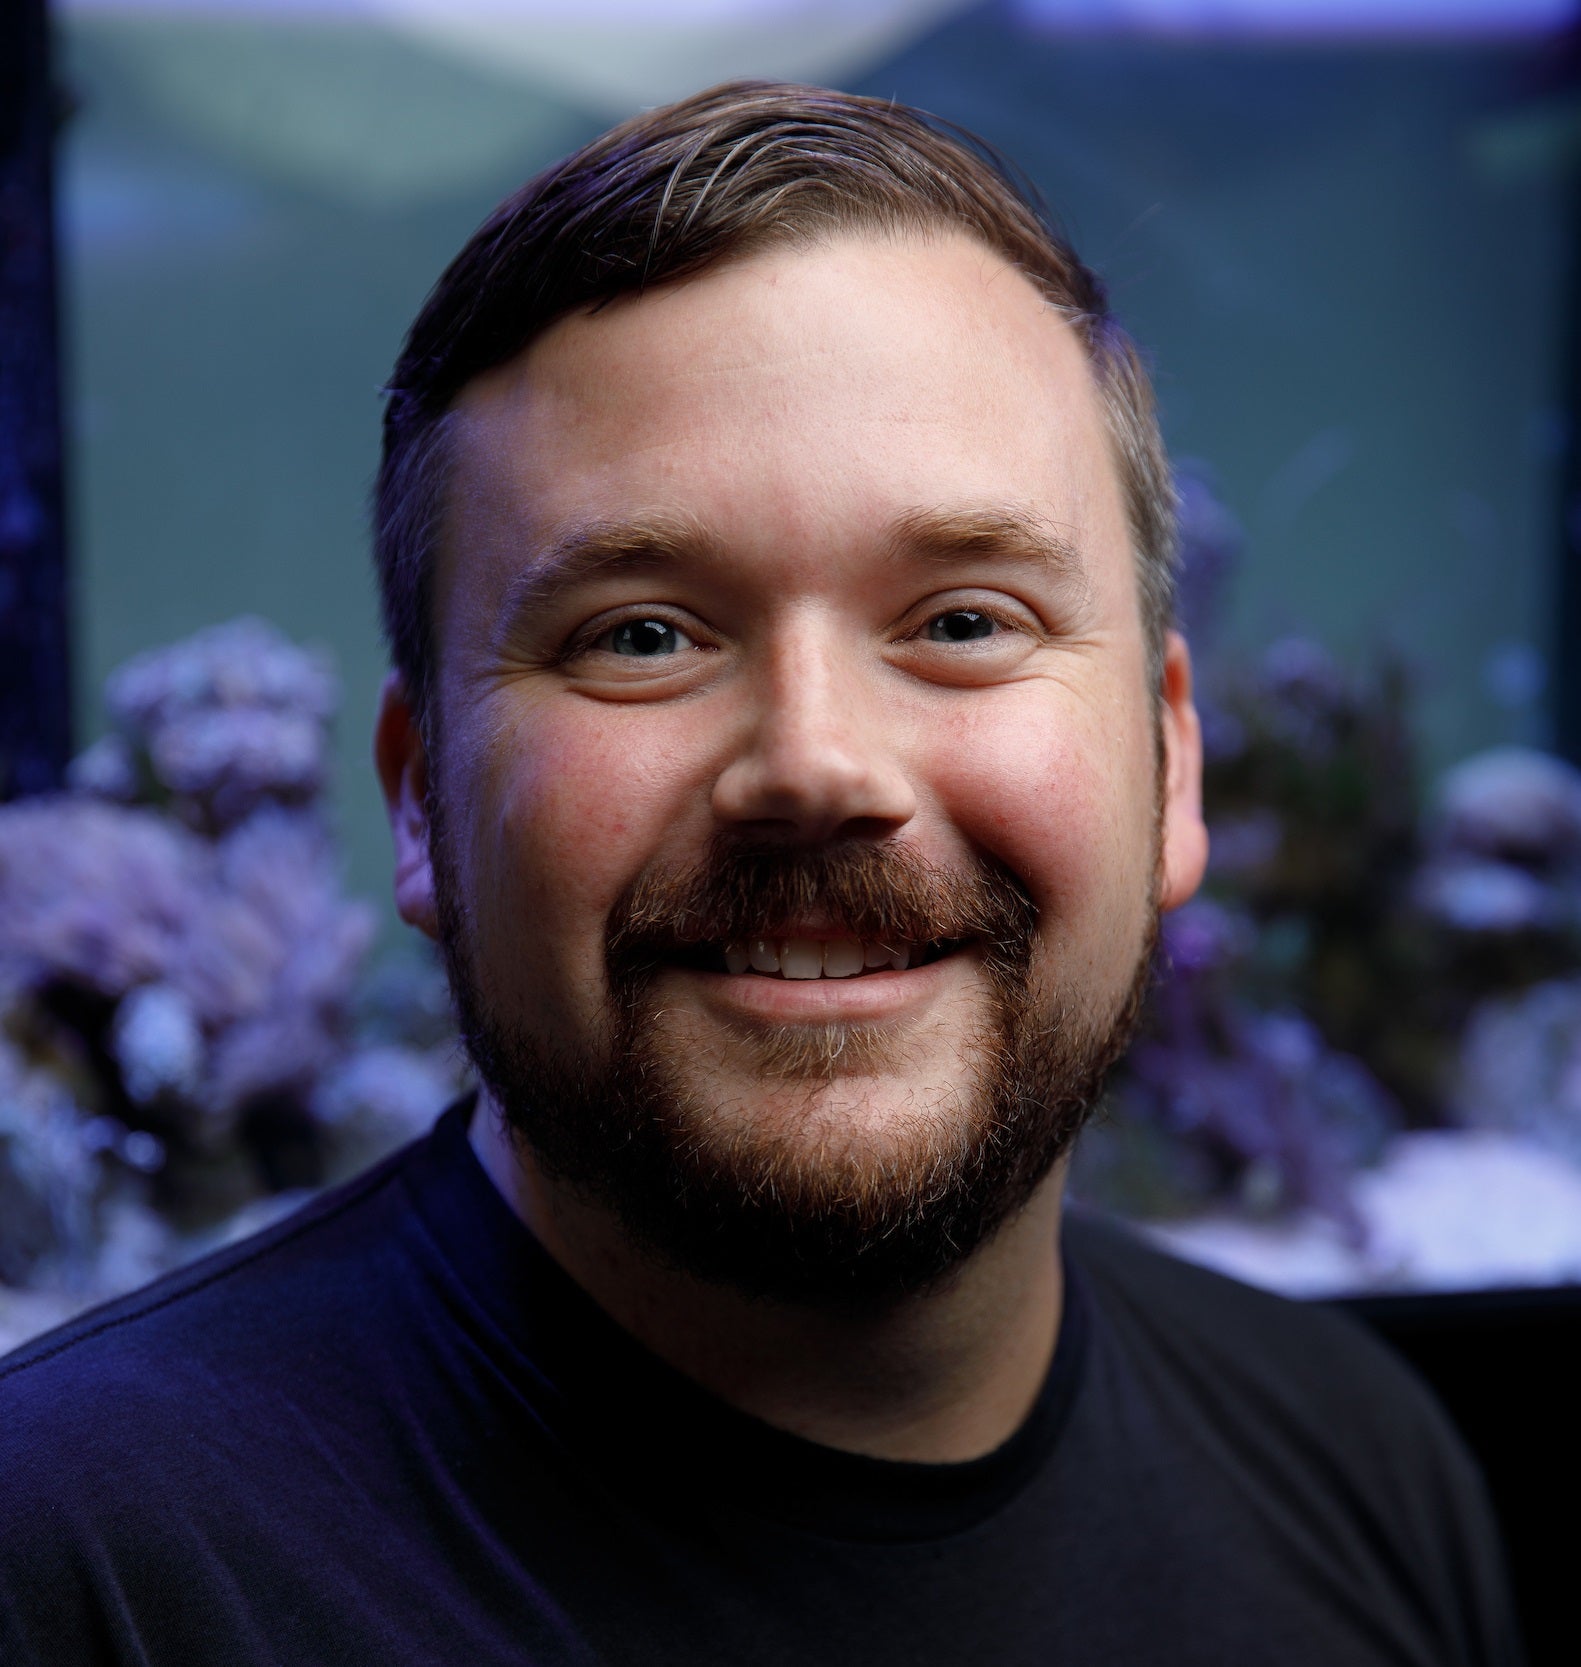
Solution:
(1345, 232)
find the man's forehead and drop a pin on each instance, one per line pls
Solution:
(798, 313)
(831, 382)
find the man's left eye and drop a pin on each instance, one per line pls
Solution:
(960, 625)
(645, 638)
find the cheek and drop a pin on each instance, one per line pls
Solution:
(562, 812)
(1066, 800)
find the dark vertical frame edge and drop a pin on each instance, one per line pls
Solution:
(35, 663)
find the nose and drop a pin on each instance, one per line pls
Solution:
(818, 759)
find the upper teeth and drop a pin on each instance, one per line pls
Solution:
(815, 957)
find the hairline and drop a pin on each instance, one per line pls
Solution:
(429, 456)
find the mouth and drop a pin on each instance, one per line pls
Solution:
(808, 957)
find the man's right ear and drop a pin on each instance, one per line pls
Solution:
(402, 763)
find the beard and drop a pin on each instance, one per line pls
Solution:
(830, 1209)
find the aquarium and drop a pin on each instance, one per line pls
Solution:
(1346, 251)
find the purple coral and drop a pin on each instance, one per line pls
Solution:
(101, 896)
(185, 985)
(230, 719)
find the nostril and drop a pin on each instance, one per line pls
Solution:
(815, 791)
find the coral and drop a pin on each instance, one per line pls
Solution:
(1439, 1211)
(1254, 1105)
(1503, 838)
(158, 1043)
(48, 1177)
(1514, 805)
(99, 896)
(107, 770)
(378, 1097)
(1311, 1010)
(227, 720)
(230, 965)
(186, 1036)
(1520, 1067)
(191, 1038)
(1472, 895)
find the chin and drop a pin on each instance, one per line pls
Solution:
(854, 1139)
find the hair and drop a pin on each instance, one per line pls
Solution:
(675, 190)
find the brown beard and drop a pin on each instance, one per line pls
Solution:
(865, 1217)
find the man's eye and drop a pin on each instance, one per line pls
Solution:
(960, 625)
(644, 638)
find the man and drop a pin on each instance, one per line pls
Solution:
(790, 752)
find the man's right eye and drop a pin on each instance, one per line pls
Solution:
(643, 638)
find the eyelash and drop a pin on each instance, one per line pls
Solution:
(1001, 618)
(587, 641)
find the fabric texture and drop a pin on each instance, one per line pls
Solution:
(391, 1430)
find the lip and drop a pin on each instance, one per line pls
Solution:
(871, 998)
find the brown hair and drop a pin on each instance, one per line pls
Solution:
(673, 191)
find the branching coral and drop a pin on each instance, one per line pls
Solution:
(181, 978)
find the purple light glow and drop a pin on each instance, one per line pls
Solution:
(1304, 18)
(1308, 18)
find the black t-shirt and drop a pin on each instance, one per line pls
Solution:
(391, 1430)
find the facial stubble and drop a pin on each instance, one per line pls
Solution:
(830, 1205)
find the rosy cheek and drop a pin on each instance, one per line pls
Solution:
(1025, 789)
(559, 816)
(580, 801)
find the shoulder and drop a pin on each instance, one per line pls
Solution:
(1299, 1406)
(1250, 1347)
(1147, 1289)
(158, 1367)
(143, 1443)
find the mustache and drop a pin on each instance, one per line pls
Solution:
(881, 891)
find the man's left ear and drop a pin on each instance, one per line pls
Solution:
(402, 763)
(1184, 853)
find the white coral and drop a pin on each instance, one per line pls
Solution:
(1512, 802)
(1520, 1066)
(158, 1043)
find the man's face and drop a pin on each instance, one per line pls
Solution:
(788, 625)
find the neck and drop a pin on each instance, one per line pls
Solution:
(937, 1377)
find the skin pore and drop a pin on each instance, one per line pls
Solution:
(823, 546)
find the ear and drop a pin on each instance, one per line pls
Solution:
(402, 763)
(1184, 853)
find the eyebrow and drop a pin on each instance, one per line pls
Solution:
(997, 532)
(590, 549)
(651, 543)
